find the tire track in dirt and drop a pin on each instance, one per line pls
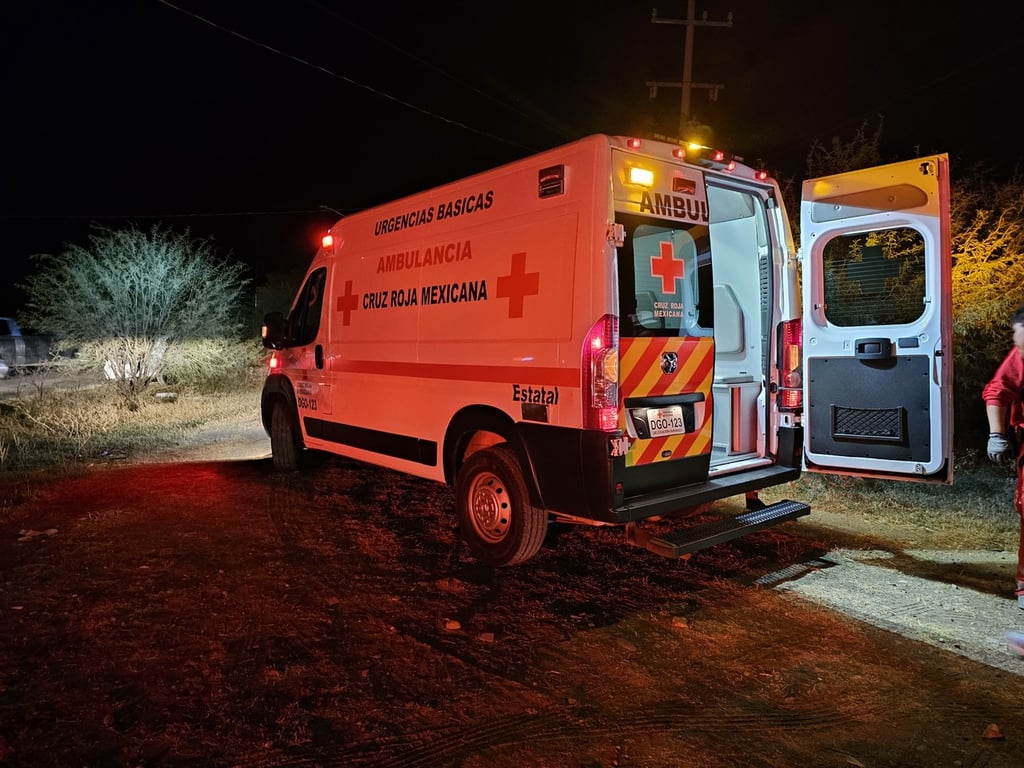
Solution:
(327, 528)
(440, 748)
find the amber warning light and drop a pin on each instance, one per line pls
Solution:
(641, 176)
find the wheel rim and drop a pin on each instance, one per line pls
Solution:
(490, 507)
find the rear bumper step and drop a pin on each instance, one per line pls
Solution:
(687, 540)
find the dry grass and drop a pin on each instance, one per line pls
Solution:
(975, 512)
(63, 428)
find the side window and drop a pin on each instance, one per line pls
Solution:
(304, 321)
(874, 278)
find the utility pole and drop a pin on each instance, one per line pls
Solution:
(687, 85)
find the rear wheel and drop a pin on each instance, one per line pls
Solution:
(496, 518)
(284, 439)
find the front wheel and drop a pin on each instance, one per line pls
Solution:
(285, 447)
(496, 519)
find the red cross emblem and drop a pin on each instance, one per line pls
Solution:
(667, 268)
(518, 285)
(347, 302)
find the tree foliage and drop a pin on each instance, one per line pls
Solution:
(129, 296)
(861, 151)
(987, 231)
(276, 293)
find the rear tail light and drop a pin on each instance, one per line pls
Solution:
(601, 375)
(791, 373)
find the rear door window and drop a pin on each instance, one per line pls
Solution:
(665, 279)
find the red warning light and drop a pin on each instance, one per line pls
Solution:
(791, 399)
(761, 175)
(679, 153)
(327, 241)
(718, 156)
(633, 143)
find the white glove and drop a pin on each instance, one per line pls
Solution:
(998, 448)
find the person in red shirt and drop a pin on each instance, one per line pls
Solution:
(1004, 406)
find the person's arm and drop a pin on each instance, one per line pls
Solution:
(997, 394)
(996, 418)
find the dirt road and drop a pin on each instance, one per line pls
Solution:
(212, 613)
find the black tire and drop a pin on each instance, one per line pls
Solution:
(496, 519)
(285, 446)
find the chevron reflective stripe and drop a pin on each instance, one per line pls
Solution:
(641, 375)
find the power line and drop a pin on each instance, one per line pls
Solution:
(343, 78)
(418, 59)
(193, 215)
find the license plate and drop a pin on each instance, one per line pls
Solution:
(666, 421)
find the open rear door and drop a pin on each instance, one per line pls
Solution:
(877, 323)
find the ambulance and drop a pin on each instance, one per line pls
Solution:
(620, 332)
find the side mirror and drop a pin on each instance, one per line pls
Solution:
(273, 329)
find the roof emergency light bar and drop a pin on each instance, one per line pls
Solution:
(702, 155)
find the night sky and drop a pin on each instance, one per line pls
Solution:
(245, 121)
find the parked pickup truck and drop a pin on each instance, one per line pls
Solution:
(19, 351)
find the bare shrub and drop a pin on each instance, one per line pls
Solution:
(127, 364)
(5, 446)
(130, 296)
(213, 363)
(860, 151)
